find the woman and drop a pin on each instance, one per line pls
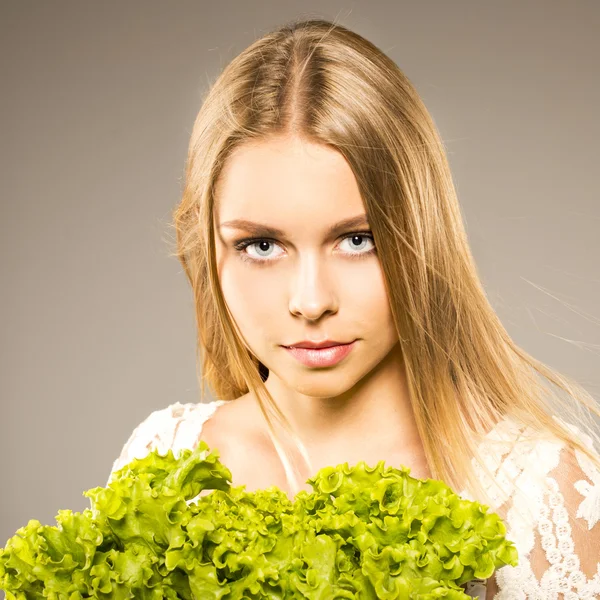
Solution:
(319, 209)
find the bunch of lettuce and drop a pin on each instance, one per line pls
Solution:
(362, 533)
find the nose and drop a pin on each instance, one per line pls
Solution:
(312, 294)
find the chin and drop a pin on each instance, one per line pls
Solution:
(324, 384)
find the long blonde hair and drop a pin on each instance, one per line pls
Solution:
(323, 83)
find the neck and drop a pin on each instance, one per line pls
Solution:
(372, 418)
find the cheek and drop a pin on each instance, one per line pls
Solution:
(366, 293)
(251, 297)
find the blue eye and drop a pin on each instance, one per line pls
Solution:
(259, 244)
(262, 245)
(362, 237)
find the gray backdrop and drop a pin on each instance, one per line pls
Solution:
(98, 101)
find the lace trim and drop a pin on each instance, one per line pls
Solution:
(589, 509)
(175, 427)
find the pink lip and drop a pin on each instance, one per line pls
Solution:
(322, 357)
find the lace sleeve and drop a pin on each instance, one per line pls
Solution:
(559, 548)
(157, 431)
(566, 557)
(175, 427)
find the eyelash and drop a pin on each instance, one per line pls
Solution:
(241, 245)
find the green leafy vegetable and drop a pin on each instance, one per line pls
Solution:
(362, 533)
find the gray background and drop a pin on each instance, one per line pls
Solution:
(97, 105)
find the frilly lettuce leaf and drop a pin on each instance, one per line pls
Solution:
(364, 532)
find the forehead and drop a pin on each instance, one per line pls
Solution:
(286, 181)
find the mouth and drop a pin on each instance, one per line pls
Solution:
(321, 357)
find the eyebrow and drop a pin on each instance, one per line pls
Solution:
(262, 229)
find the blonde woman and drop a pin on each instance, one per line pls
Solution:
(319, 210)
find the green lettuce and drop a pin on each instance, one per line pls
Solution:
(362, 533)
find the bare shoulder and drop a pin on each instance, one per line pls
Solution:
(230, 429)
(228, 423)
(236, 432)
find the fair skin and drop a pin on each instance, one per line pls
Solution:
(308, 284)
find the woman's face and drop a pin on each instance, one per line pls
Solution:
(311, 280)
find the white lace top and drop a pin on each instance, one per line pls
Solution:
(557, 560)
